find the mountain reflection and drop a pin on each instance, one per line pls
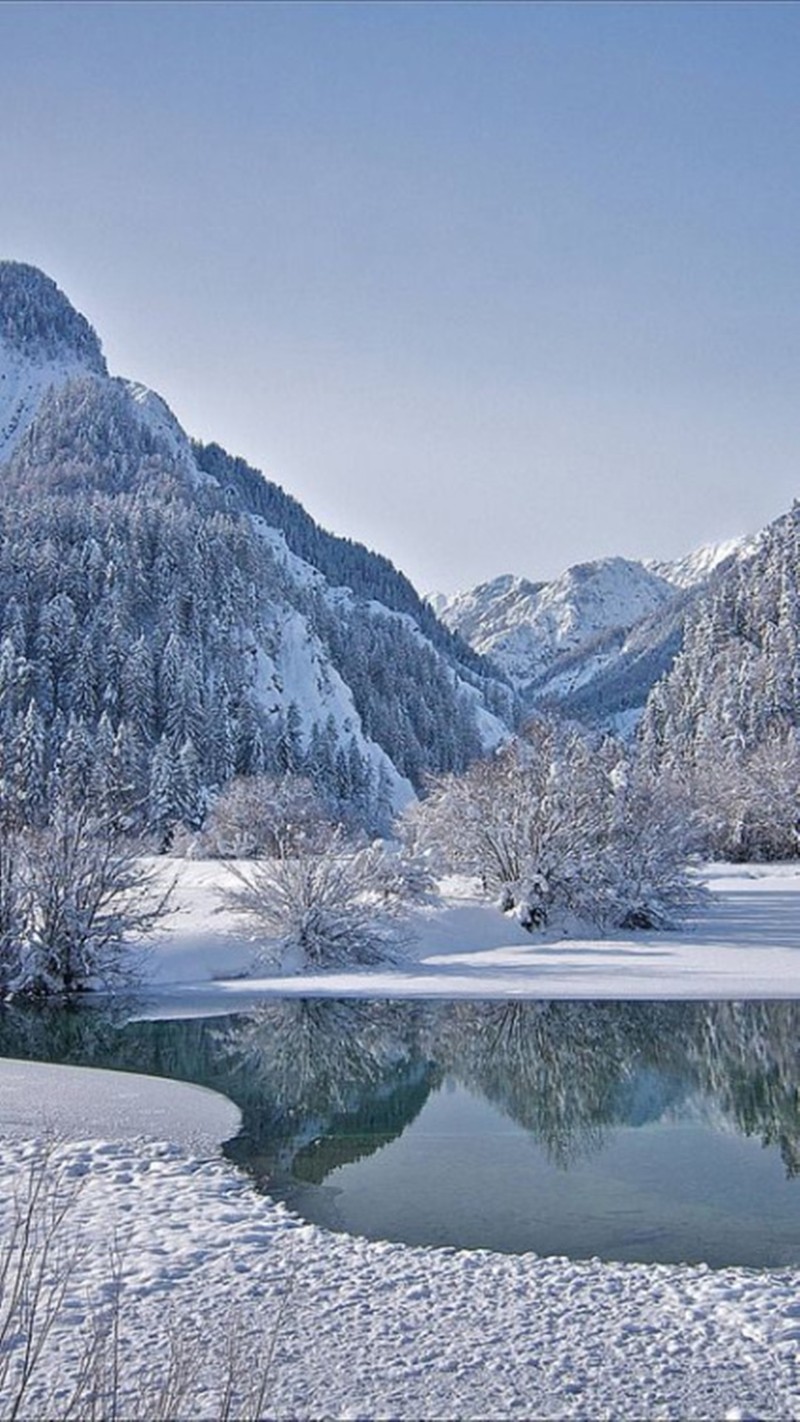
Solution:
(321, 1082)
(551, 1067)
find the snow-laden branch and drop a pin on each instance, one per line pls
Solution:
(343, 904)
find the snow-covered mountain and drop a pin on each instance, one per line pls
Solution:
(44, 343)
(169, 618)
(592, 642)
(696, 567)
(526, 627)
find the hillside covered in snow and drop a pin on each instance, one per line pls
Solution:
(593, 642)
(170, 619)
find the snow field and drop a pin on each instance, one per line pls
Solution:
(744, 943)
(361, 1329)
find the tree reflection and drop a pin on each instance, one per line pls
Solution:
(338, 1081)
(316, 1053)
(61, 1032)
(552, 1067)
(746, 1056)
(323, 1081)
(344, 1078)
(568, 1071)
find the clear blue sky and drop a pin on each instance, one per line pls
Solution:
(490, 287)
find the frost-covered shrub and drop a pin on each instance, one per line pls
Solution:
(556, 827)
(747, 801)
(343, 905)
(266, 815)
(72, 892)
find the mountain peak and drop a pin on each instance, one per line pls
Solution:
(38, 322)
(696, 567)
(523, 627)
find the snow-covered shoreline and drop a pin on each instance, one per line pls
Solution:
(365, 1329)
(744, 943)
(40, 1099)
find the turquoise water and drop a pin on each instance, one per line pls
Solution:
(632, 1131)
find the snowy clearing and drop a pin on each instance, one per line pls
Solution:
(745, 943)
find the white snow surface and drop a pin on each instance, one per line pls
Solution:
(523, 626)
(697, 566)
(66, 1101)
(744, 942)
(364, 1330)
(361, 1329)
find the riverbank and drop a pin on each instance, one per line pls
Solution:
(351, 1329)
(178, 1251)
(743, 942)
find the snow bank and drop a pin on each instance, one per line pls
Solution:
(67, 1102)
(744, 943)
(382, 1330)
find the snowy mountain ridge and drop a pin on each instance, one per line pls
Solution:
(38, 323)
(592, 642)
(525, 627)
(697, 566)
(257, 641)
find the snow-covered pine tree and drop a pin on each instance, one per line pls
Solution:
(725, 722)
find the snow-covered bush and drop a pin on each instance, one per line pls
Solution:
(556, 827)
(343, 905)
(71, 894)
(266, 815)
(747, 801)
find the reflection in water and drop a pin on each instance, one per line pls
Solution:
(322, 1083)
(332, 1081)
(550, 1066)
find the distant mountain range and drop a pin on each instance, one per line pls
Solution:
(592, 642)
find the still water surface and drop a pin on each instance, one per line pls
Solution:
(633, 1131)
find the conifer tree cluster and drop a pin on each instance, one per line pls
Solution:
(141, 609)
(39, 323)
(725, 722)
